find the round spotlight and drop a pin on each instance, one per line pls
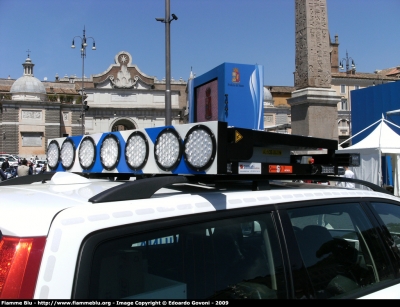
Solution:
(199, 148)
(136, 150)
(67, 154)
(53, 155)
(87, 153)
(110, 152)
(168, 149)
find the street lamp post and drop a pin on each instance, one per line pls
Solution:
(353, 67)
(85, 107)
(167, 20)
(347, 59)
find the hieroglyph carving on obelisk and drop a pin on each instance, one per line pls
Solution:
(312, 45)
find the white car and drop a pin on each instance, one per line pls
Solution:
(39, 164)
(11, 160)
(204, 224)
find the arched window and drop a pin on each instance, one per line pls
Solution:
(344, 123)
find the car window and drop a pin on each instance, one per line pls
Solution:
(225, 259)
(390, 215)
(340, 249)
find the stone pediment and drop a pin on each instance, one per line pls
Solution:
(123, 80)
(136, 83)
(123, 75)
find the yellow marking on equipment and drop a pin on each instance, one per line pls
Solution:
(238, 136)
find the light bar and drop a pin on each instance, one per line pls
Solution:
(199, 147)
(168, 149)
(87, 153)
(110, 152)
(67, 154)
(136, 150)
(53, 155)
(208, 148)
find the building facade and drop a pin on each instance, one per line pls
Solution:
(344, 79)
(277, 116)
(28, 118)
(124, 98)
(121, 97)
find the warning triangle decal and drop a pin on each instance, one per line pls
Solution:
(238, 136)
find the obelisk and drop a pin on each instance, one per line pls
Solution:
(313, 103)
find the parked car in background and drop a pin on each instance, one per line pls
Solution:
(11, 160)
(39, 164)
(14, 156)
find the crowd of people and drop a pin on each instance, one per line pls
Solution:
(25, 167)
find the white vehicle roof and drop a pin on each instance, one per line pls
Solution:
(29, 209)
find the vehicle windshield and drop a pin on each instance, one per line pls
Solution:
(10, 159)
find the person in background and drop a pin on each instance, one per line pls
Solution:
(44, 168)
(13, 171)
(31, 168)
(5, 165)
(23, 169)
(349, 174)
(2, 175)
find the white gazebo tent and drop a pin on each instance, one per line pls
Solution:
(382, 141)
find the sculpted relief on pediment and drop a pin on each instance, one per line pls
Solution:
(124, 78)
(123, 75)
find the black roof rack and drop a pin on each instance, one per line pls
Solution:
(137, 189)
(145, 188)
(43, 177)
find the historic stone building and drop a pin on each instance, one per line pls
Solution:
(344, 79)
(121, 97)
(277, 116)
(28, 117)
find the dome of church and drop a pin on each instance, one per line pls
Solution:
(267, 95)
(28, 84)
(28, 87)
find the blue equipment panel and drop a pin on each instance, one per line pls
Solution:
(232, 93)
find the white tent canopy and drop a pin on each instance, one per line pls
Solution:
(382, 141)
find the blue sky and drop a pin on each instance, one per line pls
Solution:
(206, 34)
